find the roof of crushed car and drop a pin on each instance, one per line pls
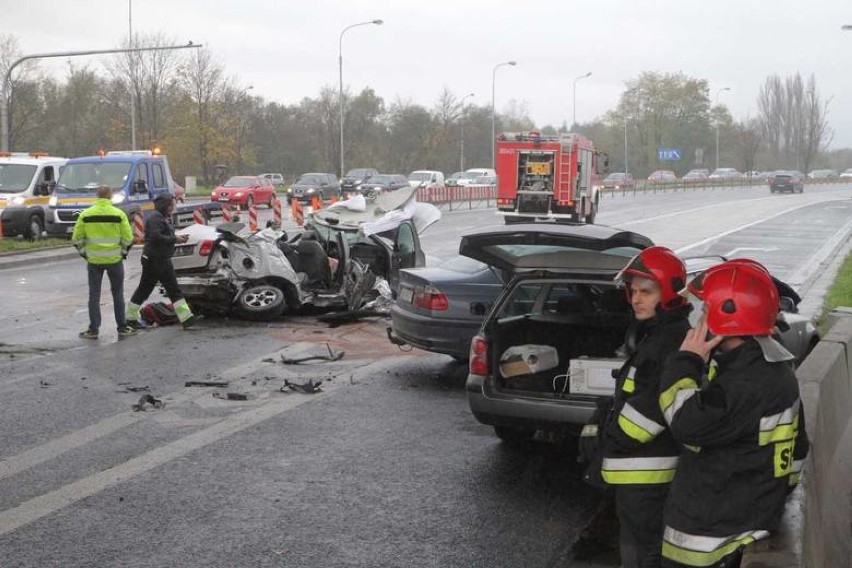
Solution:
(383, 213)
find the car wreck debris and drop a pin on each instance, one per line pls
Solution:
(332, 356)
(218, 384)
(148, 400)
(310, 387)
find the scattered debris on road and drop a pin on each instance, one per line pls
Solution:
(332, 356)
(231, 395)
(309, 387)
(147, 400)
(218, 384)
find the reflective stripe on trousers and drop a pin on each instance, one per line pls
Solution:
(693, 550)
(618, 471)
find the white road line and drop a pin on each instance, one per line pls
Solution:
(808, 271)
(718, 236)
(693, 210)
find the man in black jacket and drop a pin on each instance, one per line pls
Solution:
(740, 422)
(639, 455)
(160, 240)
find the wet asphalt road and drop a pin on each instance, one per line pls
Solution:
(386, 467)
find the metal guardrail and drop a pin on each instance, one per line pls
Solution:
(643, 186)
(458, 197)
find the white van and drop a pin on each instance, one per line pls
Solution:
(26, 184)
(426, 178)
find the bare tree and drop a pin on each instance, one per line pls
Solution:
(22, 116)
(749, 137)
(817, 133)
(202, 79)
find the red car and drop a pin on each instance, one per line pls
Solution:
(662, 176)
(244, 191)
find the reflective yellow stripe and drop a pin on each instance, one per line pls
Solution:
(692, 550)
(695, 449)
(674, 397)
(629, 385)
(637, 425)
(713, 371)
(619, 471)
(777, 434)
(779, 427)
(589, 430)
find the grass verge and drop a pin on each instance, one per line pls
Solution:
(840, 292)
(12, 244)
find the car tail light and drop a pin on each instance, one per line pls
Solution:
(479, 356)
(206, 247)
(430, 298)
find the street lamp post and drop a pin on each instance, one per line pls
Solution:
(4, 93)
(461, 158)
(625, 145)
(340, 68)
(589, 74)
(717, 124)
(493, 115)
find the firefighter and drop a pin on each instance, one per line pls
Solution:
(742, 426)
(103, 237)
(160, 240)
(638, 453)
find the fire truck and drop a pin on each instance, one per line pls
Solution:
(548, 178)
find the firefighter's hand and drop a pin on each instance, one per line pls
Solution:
(696, 341)
(181, 238)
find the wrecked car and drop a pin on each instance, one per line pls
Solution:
(339, 261)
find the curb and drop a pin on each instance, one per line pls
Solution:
(29, 258)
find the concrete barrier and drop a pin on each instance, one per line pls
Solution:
(826, 392)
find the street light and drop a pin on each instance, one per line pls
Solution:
(4, 93)
(589, 74)
(717, 124)
(340, 66)
(493, 119)
(461, 159)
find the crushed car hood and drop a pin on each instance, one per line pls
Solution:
(383, 213)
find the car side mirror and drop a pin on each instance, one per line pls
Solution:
(788, 305)
(43, 188)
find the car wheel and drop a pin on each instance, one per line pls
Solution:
(590, 218)
(261, 301)
(35, 228)
(513, 436)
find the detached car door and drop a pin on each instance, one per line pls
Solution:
(407, 252)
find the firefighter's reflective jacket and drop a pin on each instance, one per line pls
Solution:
(744, 433)
(102, 233)
(638, 449)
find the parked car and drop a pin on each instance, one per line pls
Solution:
(356, 177)
(381, 183)
(275, 179)
(244, 191)
(847, 173)
(725, 174)
(426, 179)
(485, 180)
(618, 180)
(481, 172)
(784, 180)
(662, 176)
(262, 275)
(314, 184)
(823, 174)
(178, 191)
(696, 176)
(562, 308)
(461, 178)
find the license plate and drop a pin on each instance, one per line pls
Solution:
(224, 198)
(406, 295)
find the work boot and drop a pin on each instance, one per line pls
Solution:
(189, 322)
(135, 325)
(89, 334)
(126, 331)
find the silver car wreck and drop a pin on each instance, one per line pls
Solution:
(347, 255)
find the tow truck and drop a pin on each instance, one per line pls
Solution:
(548, 177)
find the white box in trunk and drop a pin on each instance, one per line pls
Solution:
(593, 376)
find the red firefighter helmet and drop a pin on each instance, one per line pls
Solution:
(663, 266)
(740, 299)
(696, 285)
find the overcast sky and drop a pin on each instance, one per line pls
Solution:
(287, 49)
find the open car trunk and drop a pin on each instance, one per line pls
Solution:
(545, 325)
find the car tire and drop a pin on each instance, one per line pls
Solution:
(261, 301)
(590, 218)
(35, 228)
(513, 436)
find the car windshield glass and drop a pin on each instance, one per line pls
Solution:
(381, 179)
(457, 175)
(238, 182)
(564, 298)
(359, 173)
(469, 175)
(420, 176)
(309, 180)
(88, 176)
(15, 178)
(614, 177)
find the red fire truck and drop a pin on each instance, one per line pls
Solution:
(554, 178)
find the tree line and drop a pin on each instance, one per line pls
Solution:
(201, 117)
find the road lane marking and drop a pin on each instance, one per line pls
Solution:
(65, 496)
(808, 272)
(718, 236)
(693, 210)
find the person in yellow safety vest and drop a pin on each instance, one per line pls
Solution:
(637, 454)
(160, 240)
(102, 236)
(740, 421)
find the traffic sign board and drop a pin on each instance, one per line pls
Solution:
(668, 154)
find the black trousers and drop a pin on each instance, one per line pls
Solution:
(156, 269)
(640, 515)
